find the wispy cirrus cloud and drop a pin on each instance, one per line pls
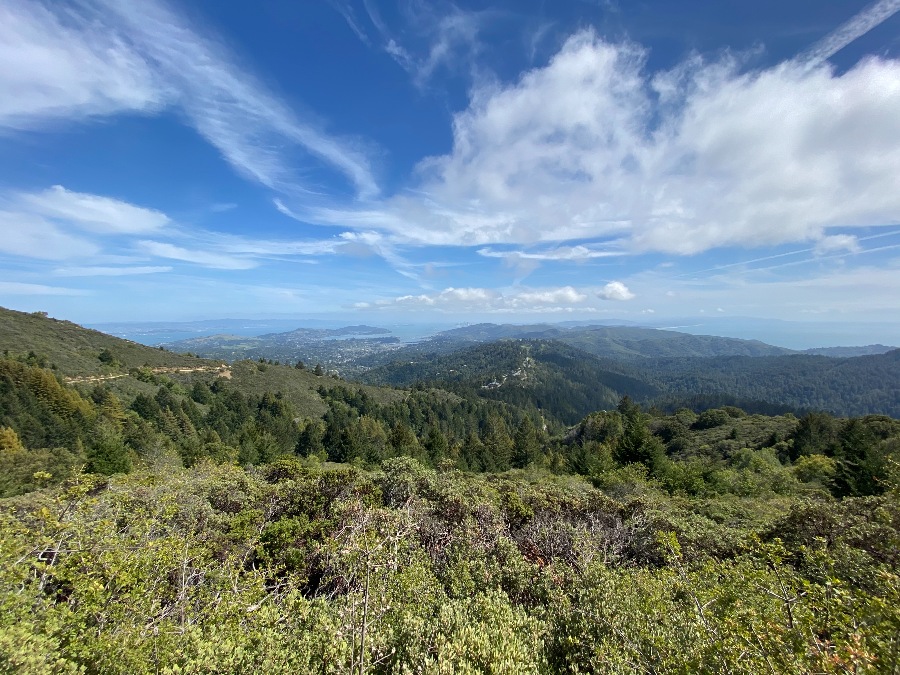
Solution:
(527, 261)
(346, 11)
(860, 24)
(30, 236)
(20, 288)
(90, 212)
(59, 224)
(100, 57)
(101, 271)
(218, 250)
(365, 242)
(59, 65)
(564, 253)
(161, 249)
(437, 36)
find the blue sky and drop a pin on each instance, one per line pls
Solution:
(386, 160)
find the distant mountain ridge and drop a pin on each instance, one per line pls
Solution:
(320, 333)
(621, 342)
(845, 352)
(566, 380)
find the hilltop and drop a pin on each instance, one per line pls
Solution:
(74, 350)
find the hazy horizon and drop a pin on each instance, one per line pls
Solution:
(791, 335)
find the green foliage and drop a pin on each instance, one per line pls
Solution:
(302, 568)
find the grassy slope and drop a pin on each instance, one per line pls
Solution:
(298, 386)
(74, 351)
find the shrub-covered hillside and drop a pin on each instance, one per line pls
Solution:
(296, 567)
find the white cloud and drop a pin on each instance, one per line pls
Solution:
(99, 57)
(92, 212)
(31, 236)
(615, 290)
(486, 300)
(564, 295)
(364, 243)
(442, 36)
(204, 258)
(565, 253)
(454, 39)
(872, 16)
(349, 15)
(836, 243)
(19, 288)
(593, 147)
(237, 245)
(58, 65)
(97, 271)
(864, 292)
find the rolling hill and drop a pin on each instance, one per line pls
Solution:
(618, 342)
(564, 382)
(75, 350)
(567, 382)
(85, 358)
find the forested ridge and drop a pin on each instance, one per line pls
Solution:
(569, 382)
(273, 518)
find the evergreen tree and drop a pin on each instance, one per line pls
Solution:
(436, 445)
(526, 445)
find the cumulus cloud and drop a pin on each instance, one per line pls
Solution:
(594, 147)
(615, 290)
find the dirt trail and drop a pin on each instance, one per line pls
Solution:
(223, 370)
(93, 378)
